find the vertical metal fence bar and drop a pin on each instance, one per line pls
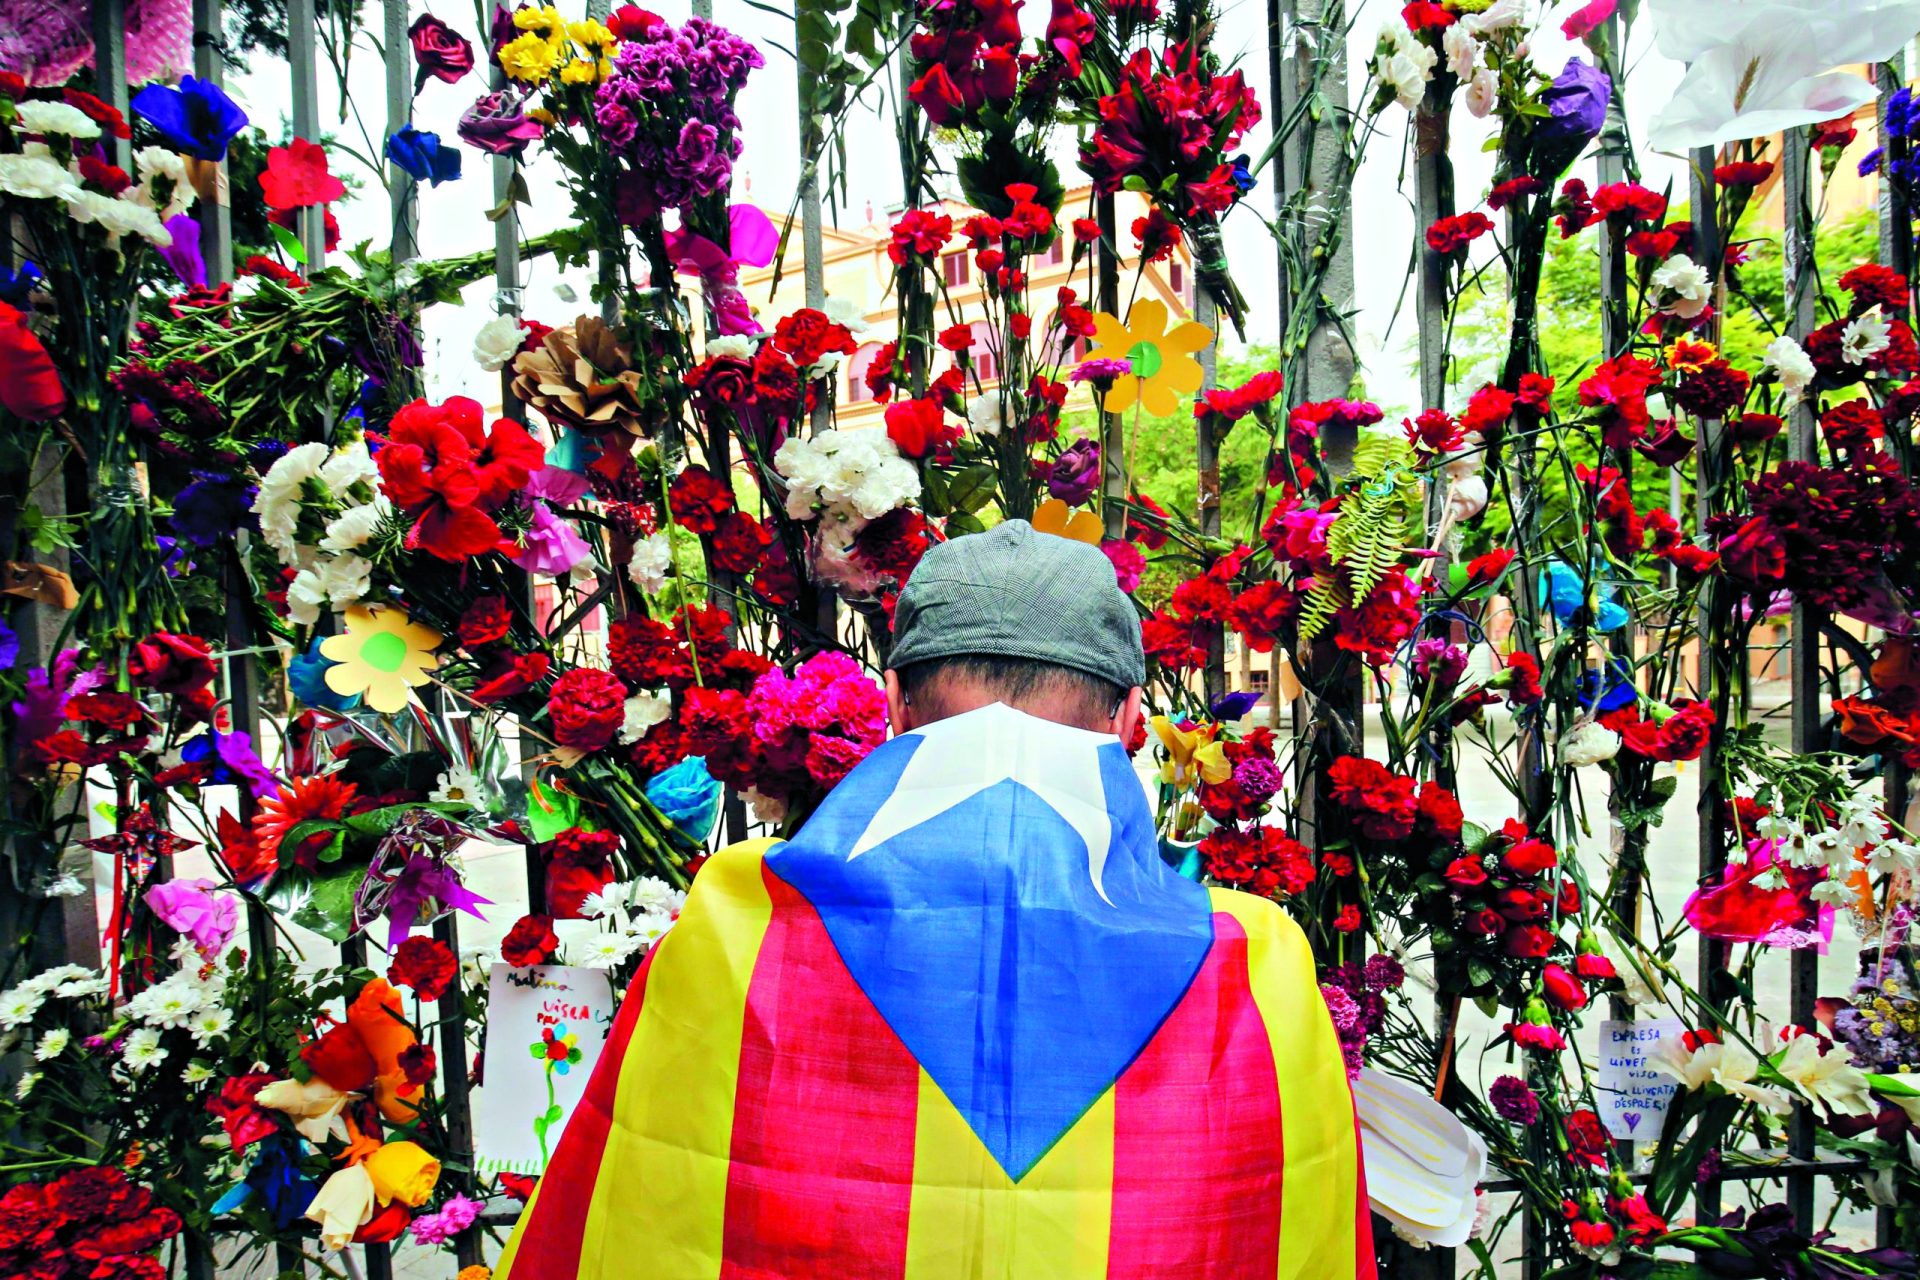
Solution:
(1207, 484)
(400, 183)
(110, 70)
(1113, 436)
(813, 251)
(215, 214)
(302, 40)
(1712, 473)
(1802, 444)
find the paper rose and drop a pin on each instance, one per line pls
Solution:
(439, 52)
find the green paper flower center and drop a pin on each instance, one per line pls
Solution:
(1145, 358)
(384, 651)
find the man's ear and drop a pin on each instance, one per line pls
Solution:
(897, 715)
(1126, 722)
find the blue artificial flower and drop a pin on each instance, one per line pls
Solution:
(16, 285)
(276, 1178)
(1243, 176)
(688, 796)
(1229, 707)
(1614, 687)
(198, 117)
(1566, 593)
(9, 646)
(233, 760)
(307, 675)
(207, 511)
(423, 156)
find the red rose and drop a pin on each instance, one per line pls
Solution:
(531, 941)
(425, 964)
(340, 1058)
(723, 382)
(919, 427)
(1519, 903)
(245, 1121)
(587, 708)
(386, 1224)
(1567, 901)
(1528, 941)
(168, 663)
(1486, 922)
(1466, 873)
(698, 499)
(1529, 857)
(438, 51)
(1563, 990)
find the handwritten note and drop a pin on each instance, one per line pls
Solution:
(1633, 1093)
(546, 1027)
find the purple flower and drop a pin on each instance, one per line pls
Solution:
(1258, 777)
(1102, 371)
(552, 545)
(1076, 473)
(1383, 972)
(233, 760)
(1438, 661)
(1577, 102)
(192, 909)
(183, 255)
(496, 124)
(1235, 705)
(455, 1216)
(1513, 1100)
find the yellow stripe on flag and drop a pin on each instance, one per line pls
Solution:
(504, 1267)
(970, 1222)
(659, 1204)
(1320, 1180)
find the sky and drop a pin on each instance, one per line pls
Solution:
(452, 217)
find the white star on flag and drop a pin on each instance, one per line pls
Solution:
(967, 754)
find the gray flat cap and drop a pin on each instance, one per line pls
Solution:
(1013, 593)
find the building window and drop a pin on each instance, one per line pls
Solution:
(982, 352)
(1057, 251)
(956, 268)
(1177, 278)
(1259, 680)
(857, 390)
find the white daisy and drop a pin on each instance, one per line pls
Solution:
(1865, 336)
(18, 1006)
(607, 950)
(197, 1072)
(651, 895)
(209, 1025)
(53, 1044)
(26, 1083)
(143, 1050)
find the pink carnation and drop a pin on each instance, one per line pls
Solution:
(1128, 564)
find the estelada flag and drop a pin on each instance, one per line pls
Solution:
(965, 1025)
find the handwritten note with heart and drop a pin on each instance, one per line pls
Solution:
(1632, 1093)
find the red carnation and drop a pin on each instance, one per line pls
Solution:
(425, 964)
(485, 622)
(698, 499)
(531, 941)
(1452, 234)
(919, 427)
(587, 707)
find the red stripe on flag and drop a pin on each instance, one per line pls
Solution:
(1196, 1135)
(1363, 1260)
(821, 1181)
(550, 1240)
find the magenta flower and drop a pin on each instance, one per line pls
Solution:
(196, 912)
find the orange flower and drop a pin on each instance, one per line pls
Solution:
(376, 1017)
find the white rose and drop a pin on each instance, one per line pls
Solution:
(1483, 93)
(497, 342)
(1467, 497)
(55, 117)
(652, 559)
(1498, 16)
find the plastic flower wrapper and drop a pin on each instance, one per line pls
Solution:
(410, 878)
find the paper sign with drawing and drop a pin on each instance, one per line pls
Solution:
(546, 1026)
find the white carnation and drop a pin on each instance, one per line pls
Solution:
(36, 178)
(1790, 363)
(652, 560)
(844, 312)
(119, 217)
(643, 711)
(157, 165)
(730, 345)
(1588, 742)
(44, 117)
(984, 413)
(350, 530)
(1687, 281)
(1483, 93)
(1462, 51)
(497, 342)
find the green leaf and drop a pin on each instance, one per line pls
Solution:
(289, 242)
(973, 488)
(291, 842)
(964, 522)
(329, 910)
(1472, 836)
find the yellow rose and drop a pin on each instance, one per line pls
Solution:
(402, 1171)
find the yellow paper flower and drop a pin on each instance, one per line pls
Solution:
(343, 1206)
(403, 1171)
(1056, 517)
(381, 654)
(528, 57)
(1192, 754)
(1164, 369)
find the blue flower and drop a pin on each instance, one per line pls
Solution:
(1616, 692)
(1567, 593)
(9, 646)
(198, 117)
(421, 155)
(276, 1178)
(1243, 176)
(16, 285)
(207, 511)
(1229, 707)
(1870, 162)
(688, 795)
(233, 760)
(307, 674)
